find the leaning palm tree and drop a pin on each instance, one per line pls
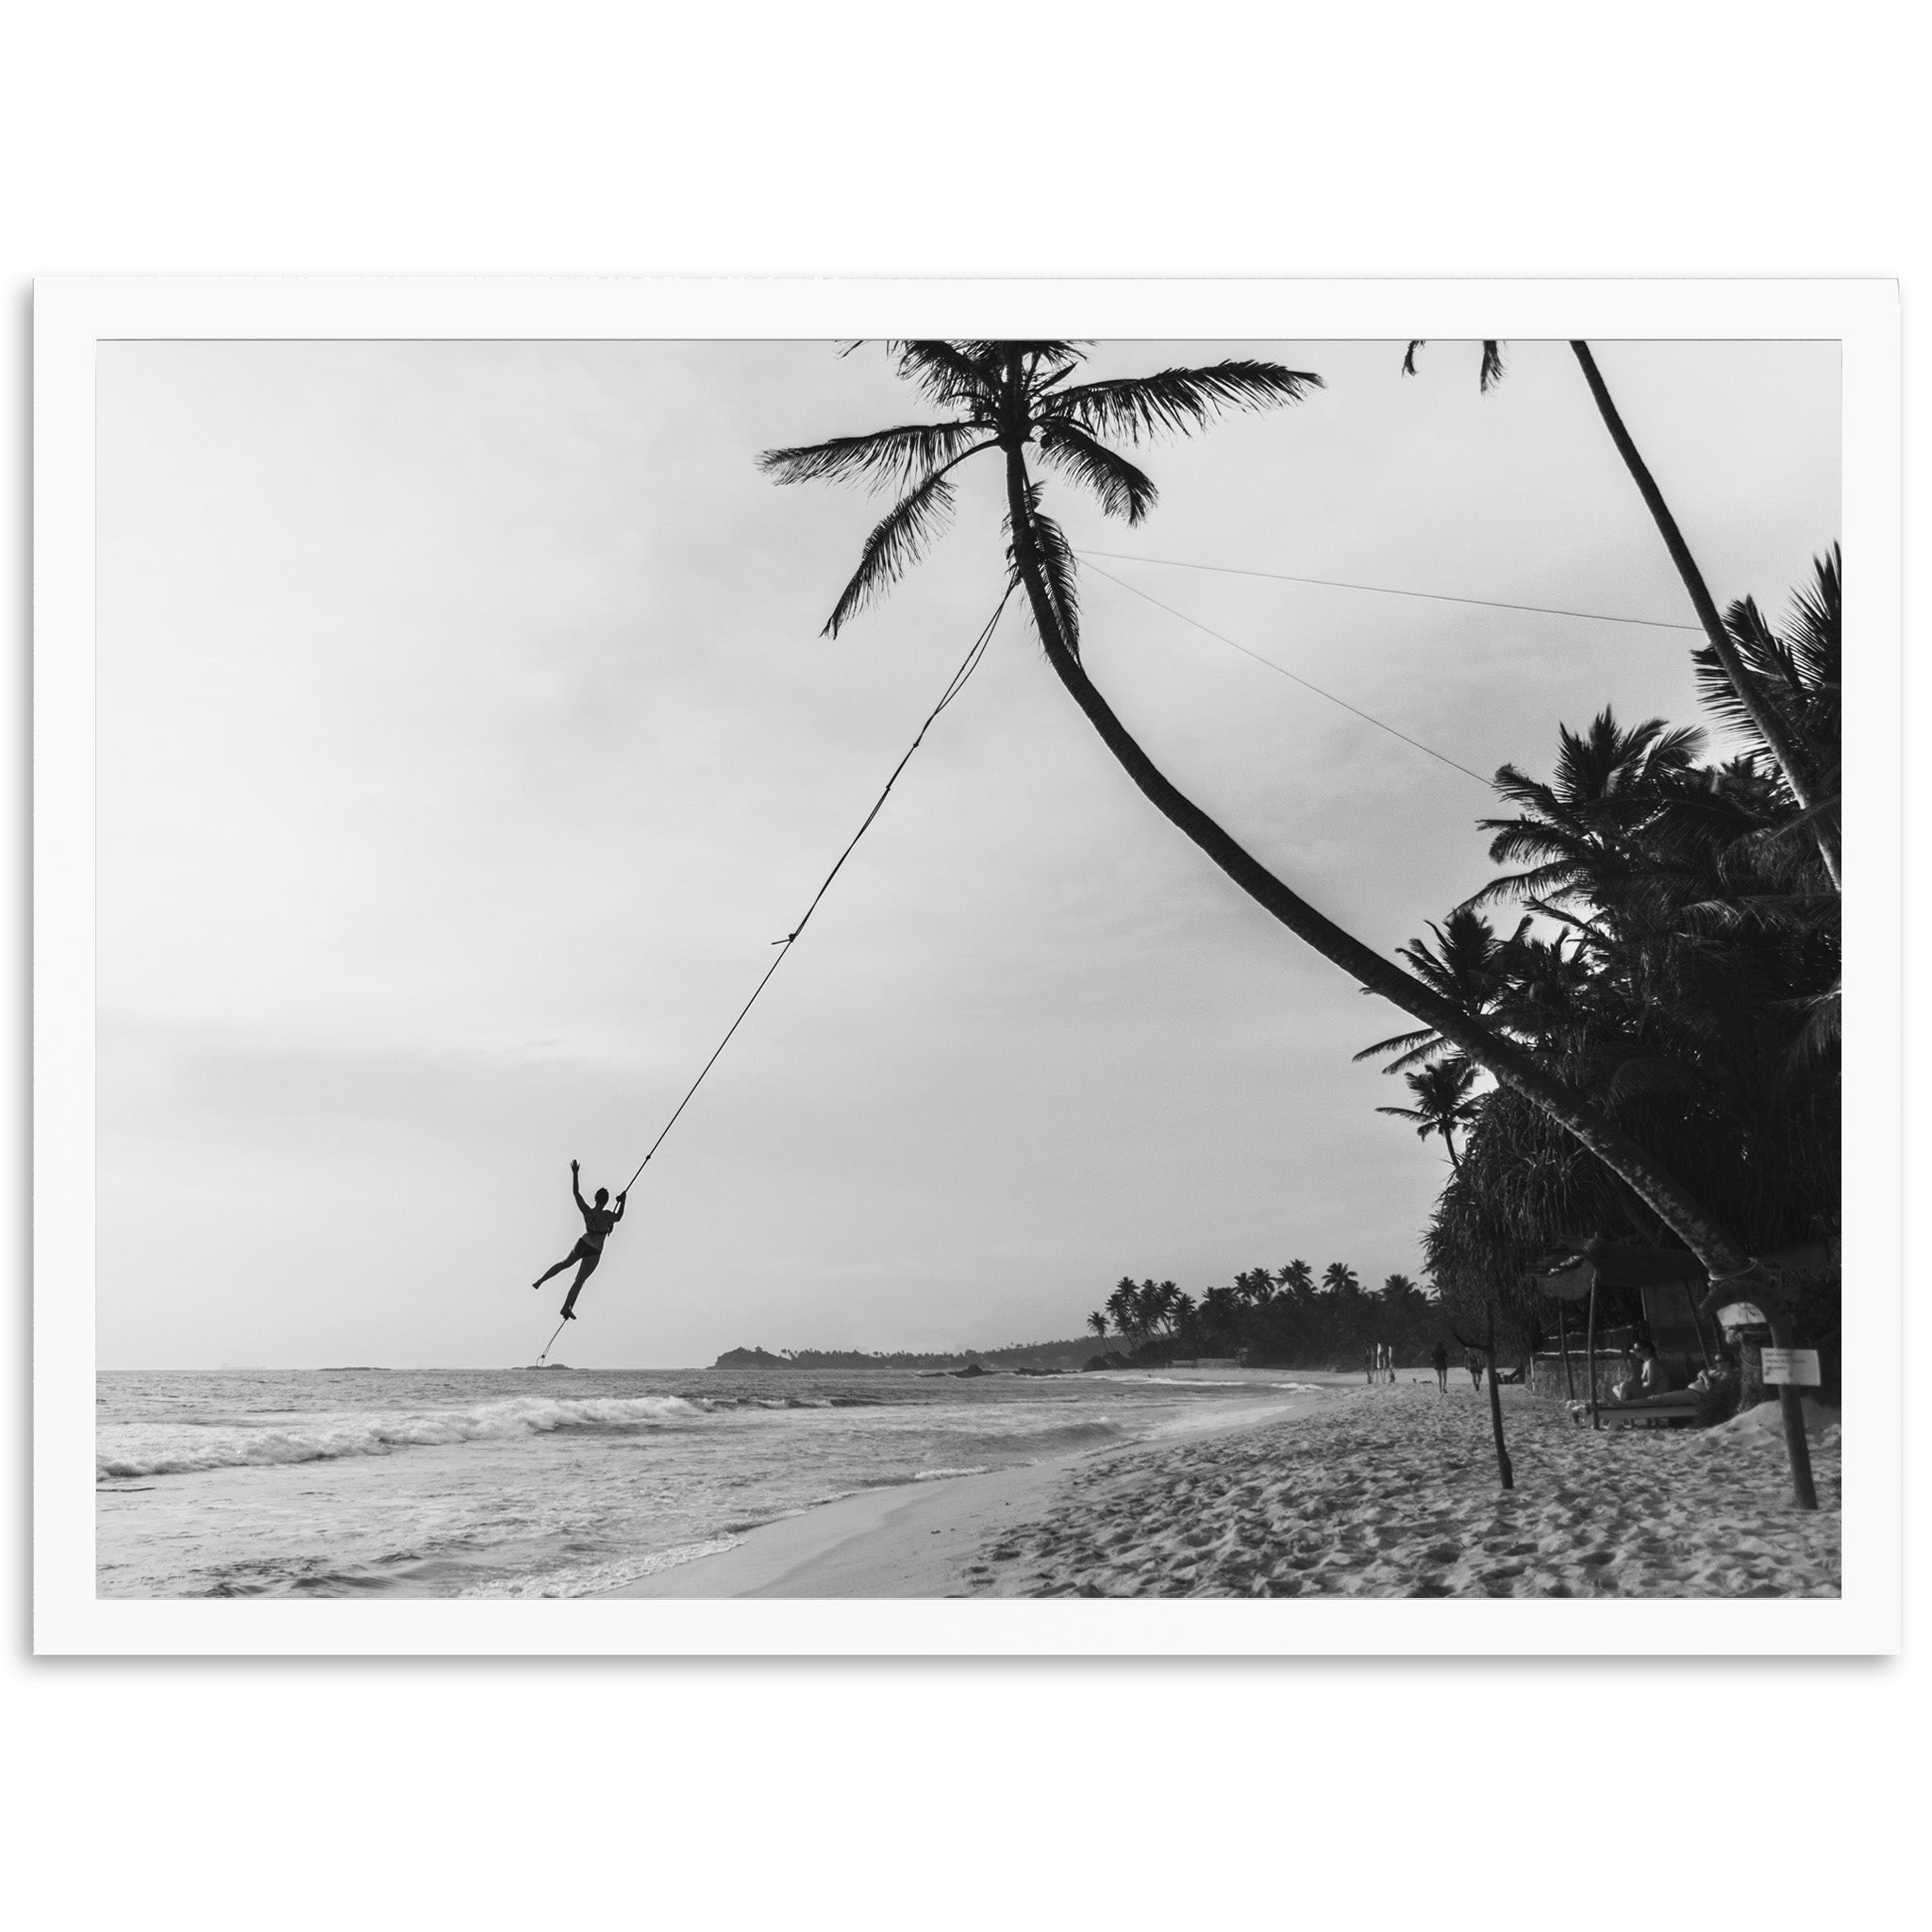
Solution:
(1754, 696)
(1442, 1105)
(1018, 396)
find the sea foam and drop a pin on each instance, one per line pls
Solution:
(175, 1450)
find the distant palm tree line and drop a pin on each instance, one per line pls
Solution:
(1282, 1316)
(1664, 1065)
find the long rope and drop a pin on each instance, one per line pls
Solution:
(1282, 670)
(1282, 576)
(968, 665)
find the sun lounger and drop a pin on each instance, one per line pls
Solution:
(1654, 1411)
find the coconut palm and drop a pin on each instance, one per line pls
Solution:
(1338, 1279)
(1796, 671)
(1578, 831)
(1017, 396)
(1462, 969)
(1255, 1287)
(1752, 691)
(1442, 1105)
(1097, 1322)
(1297, 1280)
(1220, 1316)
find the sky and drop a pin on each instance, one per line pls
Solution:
(466, 737)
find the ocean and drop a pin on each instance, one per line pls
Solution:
(550, 1483)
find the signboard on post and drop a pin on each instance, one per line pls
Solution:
(1797, 1367)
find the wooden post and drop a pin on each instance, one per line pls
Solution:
(1590, 1368)
(1792, 1408)
(1563, 1342)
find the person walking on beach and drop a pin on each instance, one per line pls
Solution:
(1473, 1357)
(1369, 1359)
(1440, 1358)
(598, 1221)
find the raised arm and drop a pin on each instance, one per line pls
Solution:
(576, 1193)
(619, 1215)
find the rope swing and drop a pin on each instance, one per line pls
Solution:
(967, 667)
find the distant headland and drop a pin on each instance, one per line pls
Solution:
(1018, 1354)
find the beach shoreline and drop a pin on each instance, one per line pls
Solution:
(923, 1538)
(1389, 1490)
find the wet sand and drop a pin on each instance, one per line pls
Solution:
(923, 1539)
(1385, 1492)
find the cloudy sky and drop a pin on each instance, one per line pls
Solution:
(466, 737)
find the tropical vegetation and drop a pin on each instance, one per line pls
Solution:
(1281, 1317)
(1677, 960)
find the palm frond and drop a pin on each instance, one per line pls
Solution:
(1123, 490)
(895, 542)
(1817, 622)
(1399, 1041)
(888, 458)
(1819, 1038)
(1175, 400)
(1056, 568)
(947, 371)
(1491, 369)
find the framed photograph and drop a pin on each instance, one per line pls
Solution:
(720, 970)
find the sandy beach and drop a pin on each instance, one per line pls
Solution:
(1357, 1492)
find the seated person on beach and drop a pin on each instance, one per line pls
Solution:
(598, 1221)
(1648, 1376)
(1721, 1375)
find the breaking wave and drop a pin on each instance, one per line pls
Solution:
(318, 1439)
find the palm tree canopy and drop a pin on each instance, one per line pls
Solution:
(1004, 395)
(1442, 1105)
(1796, 672)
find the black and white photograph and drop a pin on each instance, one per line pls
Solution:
(870, 968)
(968, 965)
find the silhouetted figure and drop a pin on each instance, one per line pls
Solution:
(598, 1221)
(1370, 1357)
(1440, 1357)
(1473, 1357)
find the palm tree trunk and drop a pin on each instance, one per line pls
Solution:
(1770, 726)
(1502, 1465)
(1699, 1229)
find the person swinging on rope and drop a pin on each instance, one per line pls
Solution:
(598, 1221)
